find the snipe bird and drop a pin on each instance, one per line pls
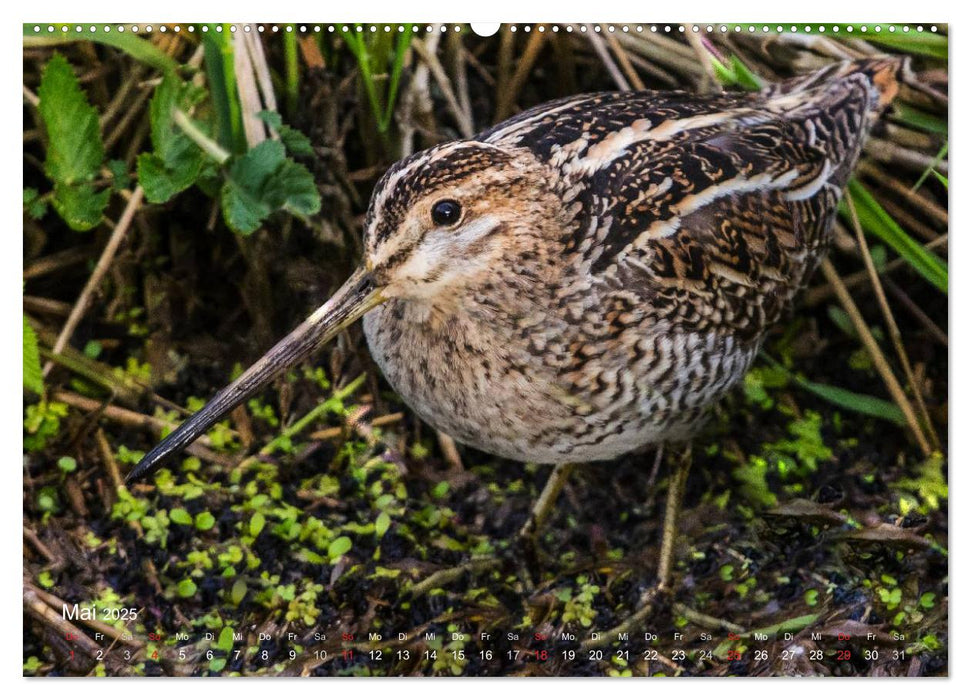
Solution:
(587, 277)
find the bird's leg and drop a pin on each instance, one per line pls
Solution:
(671, 511)
(669, 533)
(526, 539)
(543, 506)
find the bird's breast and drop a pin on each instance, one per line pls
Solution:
(542, 388)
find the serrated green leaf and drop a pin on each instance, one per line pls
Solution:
(120, 179)
(292, 189)
(74, 149)
(33, 376)
(295, 141)
(242, 211)
(264, 180)
(176, 161)
(79, 205)
(33, 204)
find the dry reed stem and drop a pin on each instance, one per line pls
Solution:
(891, 323)
(104, 262)
(876, 354)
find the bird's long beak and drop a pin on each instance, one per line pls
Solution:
(358, 295)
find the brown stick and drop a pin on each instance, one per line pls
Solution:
(139, 420)
(601, 50)
(40, 611)
(104, 262)
(507, 97)
(624, 60)
(876, 354)
(891, 322)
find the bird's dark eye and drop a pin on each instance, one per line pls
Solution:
(446, 213)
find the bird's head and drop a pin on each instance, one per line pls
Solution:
(438, 221)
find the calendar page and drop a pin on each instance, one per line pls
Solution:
(485, 350)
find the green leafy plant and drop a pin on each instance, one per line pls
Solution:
(74, 148)
(176, 161)
(379, 55)
(33, 376)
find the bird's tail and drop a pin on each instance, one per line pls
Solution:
(883, 74)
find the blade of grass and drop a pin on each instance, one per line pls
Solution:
(292, 71)
(931, 169)
(844, 398)
(222, 87)
(914, 42)
(879, 223)
(140, 49)
(401, 50)
(911, 116)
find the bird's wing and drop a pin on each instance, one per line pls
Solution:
(717, 209)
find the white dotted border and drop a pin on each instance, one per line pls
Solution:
(415, 28)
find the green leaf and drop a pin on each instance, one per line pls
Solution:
(264, 180)
(221, 74)
(292, 189)
(187, 588)
(744, 77)
(34, 205)
(861, 403)
(342, 545)
(225, 641)
(79, 205)
(238, 591)
(296, 142)
(74, 147)
(382, 524)
(120, 179)
(931, 168)
(256, 524)
(74, 150)
(33, 376)
(180, 516)
(67, 464)
(876, 221)
(243, 211)
(177, 161)
(205, 520)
